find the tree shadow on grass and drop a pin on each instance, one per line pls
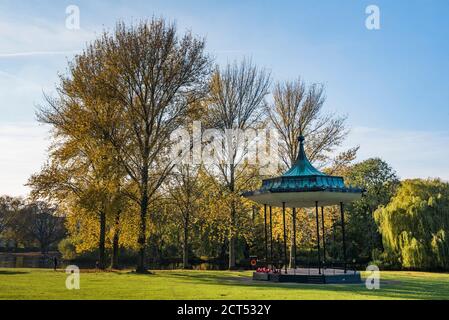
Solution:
(404, 288)
(7, 272)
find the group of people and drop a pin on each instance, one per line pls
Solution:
(267, 270)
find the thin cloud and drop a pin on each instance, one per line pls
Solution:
(37, 53)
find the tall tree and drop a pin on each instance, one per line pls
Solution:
(81, 161)
(152, 75)
(380, 182)
(298, 109)
(79, 185)
(235, 102)
(131, 88)
(184, 192)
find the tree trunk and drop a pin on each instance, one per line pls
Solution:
(102, 242)
(232, 239)
(44, 248)
(232, 235)
(185, 254)
(115, 242)
(141, 267)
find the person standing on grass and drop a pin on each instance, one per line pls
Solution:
(55, 263)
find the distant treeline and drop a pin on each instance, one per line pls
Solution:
(29, 225)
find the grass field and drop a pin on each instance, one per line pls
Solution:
(48, 284)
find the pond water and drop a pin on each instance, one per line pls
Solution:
(35, 260)
(25, 261)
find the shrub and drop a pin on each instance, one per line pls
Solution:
(67, 249)
(415, 223)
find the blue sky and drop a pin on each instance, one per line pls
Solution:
(392, 83)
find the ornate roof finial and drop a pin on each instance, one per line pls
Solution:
(301, 137)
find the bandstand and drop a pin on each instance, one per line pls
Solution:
(303, 186)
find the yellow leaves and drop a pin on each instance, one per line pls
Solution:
(83, 227)
(128, 228)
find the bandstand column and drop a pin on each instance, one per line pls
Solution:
(285, 237)
(271, 237)
(265, 231)
(294, 237)
(324, 235)
(318, 237)
(342, 213)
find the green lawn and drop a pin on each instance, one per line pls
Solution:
(47, 284)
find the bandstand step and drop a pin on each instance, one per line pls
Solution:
(305, 278)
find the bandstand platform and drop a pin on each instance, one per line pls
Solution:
(306, 275)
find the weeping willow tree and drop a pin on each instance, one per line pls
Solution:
(415, 225)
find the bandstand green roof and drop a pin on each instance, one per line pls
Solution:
(303, 186)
